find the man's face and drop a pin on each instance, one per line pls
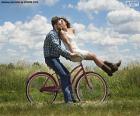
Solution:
(59, 25)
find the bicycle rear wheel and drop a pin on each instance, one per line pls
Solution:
(93, 88)
(41, 87)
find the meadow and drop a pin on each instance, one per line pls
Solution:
(124, 99)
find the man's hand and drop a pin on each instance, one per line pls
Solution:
(76, 57)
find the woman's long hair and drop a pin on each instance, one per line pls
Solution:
(67, 22)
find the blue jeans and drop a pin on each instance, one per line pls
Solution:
(64, 75)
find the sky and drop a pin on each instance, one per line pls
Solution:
(108, 28)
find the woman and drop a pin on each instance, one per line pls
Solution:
(67, 35)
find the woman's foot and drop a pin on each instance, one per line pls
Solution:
(118, 63)
(107, 69)
(114, 67)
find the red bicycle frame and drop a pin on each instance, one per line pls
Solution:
(78, 72)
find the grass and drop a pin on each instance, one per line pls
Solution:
(111, 108)
(124, 87)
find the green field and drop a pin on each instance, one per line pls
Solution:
(124, 100)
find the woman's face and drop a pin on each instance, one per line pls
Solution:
(63, 24)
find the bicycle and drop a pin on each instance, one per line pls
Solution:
(87, 86)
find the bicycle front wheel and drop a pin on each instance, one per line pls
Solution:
(91, 87)
(40, 88)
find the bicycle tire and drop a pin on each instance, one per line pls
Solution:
(91, 94)
(40, 96)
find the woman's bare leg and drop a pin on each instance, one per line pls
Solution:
(99, 62)
(92, 56)
(105, 66)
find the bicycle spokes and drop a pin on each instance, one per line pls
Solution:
(41, 88)
(91, 87)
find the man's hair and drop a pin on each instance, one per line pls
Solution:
(54, 20)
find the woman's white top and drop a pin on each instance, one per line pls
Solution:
(73, 43)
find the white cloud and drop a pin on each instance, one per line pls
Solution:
(39, 45)
(113, 41)
(12, 52)
(123, 16)
(1, 45)
(90, 6)
(125, 21)
(23, 49)
(5, 30)
(29, 33)
(135, 38)
(128, 28)
(96, 35)
(24, 38)
(125, 50)
(78, 27)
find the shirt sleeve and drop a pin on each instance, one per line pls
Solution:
(57, 47)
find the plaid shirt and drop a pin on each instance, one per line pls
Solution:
(52, 46)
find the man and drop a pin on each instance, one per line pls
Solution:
(52, 52)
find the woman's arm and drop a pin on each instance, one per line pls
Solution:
(66, 40)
